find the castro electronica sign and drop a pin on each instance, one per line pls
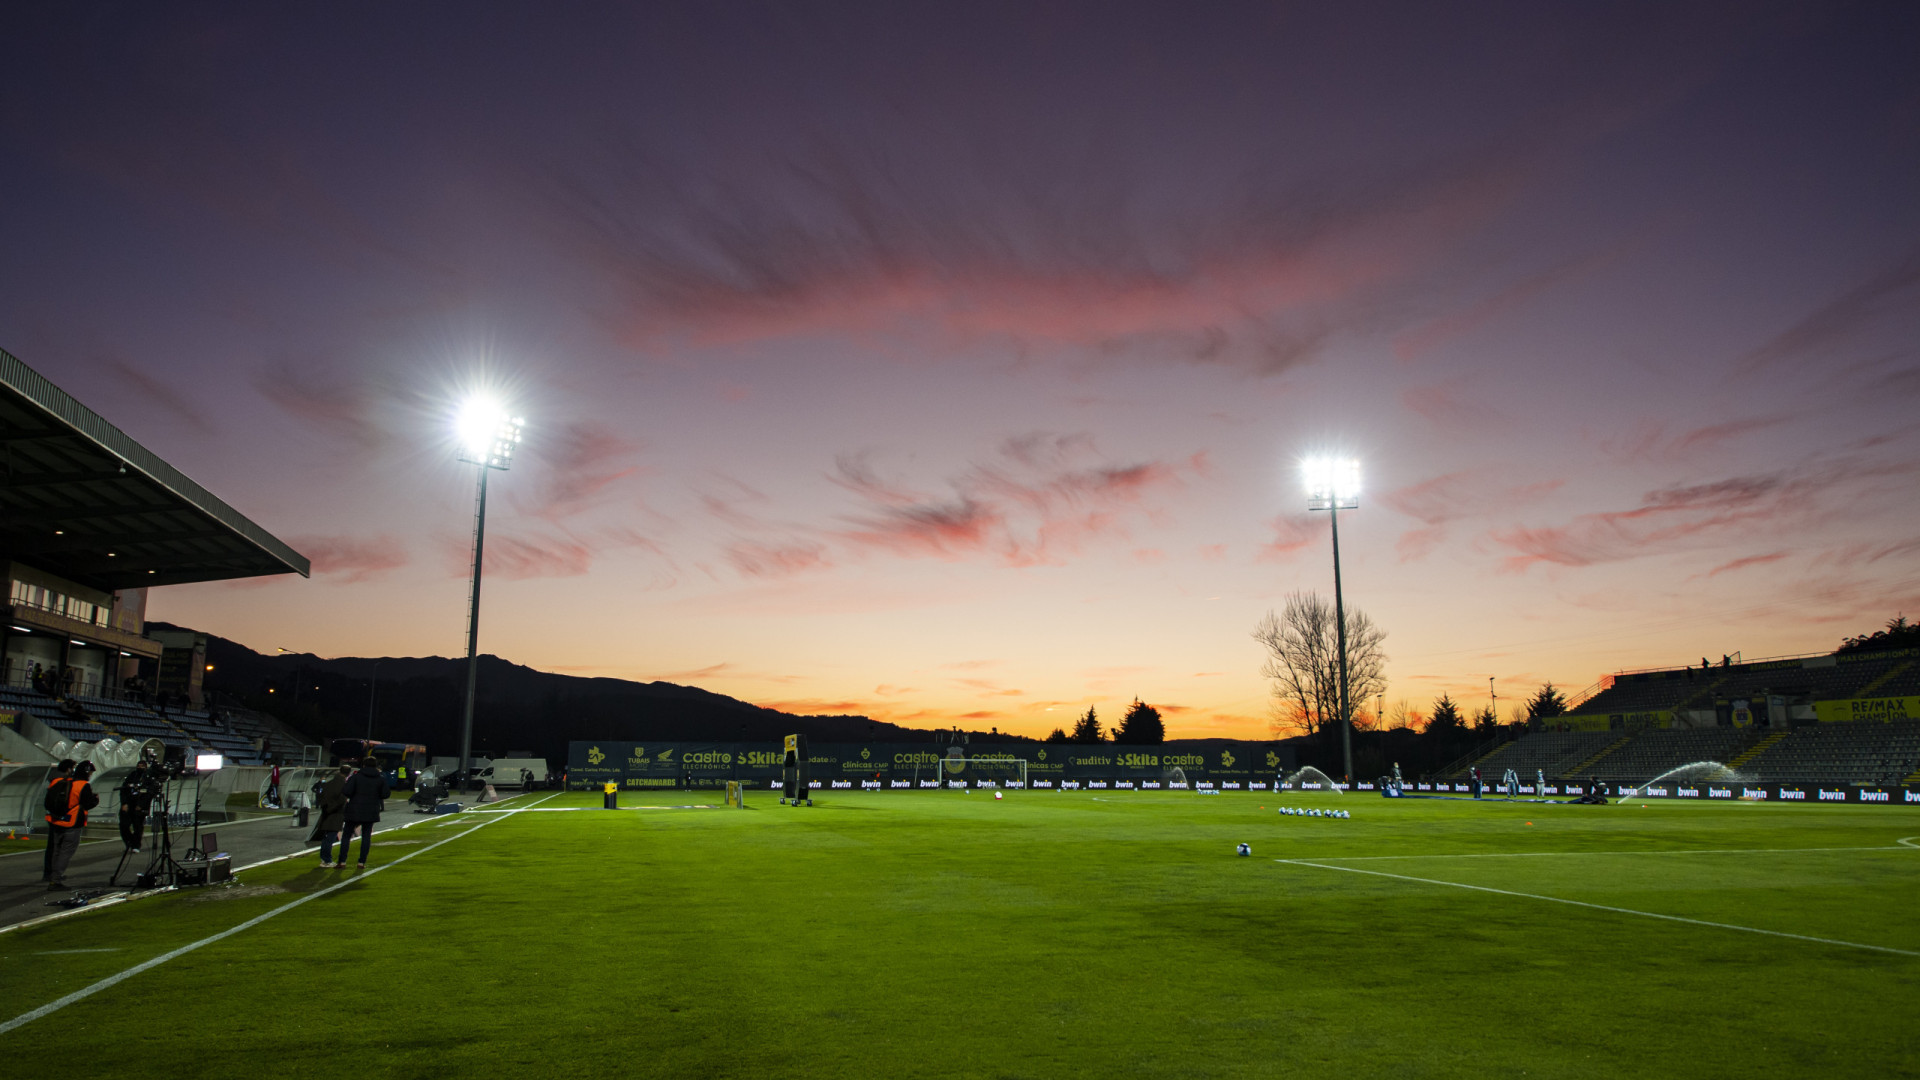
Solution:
(1196, 763)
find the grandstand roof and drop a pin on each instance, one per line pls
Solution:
(81, 499)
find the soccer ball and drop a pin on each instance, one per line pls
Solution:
(997, 795)
(1243, 849)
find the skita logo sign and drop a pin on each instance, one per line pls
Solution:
(594, 756)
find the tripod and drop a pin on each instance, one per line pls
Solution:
(143, 797)
(165, 870)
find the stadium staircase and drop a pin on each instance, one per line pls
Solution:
(1757, 749)
(1886, 677)
(1595, 759)
(1704, 698)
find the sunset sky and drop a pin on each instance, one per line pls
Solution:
(954, 363)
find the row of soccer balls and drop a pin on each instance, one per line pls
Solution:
(1300, 811)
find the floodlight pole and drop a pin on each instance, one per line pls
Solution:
(473, 622)
(1340, 631)
(373, 687)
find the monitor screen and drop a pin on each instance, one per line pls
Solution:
(207, 762)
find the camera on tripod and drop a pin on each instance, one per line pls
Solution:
(202, 865)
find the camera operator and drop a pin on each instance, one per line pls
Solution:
(136, 802)
(68, 800)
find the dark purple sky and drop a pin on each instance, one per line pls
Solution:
(956, 363)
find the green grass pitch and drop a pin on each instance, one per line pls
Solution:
(908, 934)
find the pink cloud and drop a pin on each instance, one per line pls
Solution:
(1422, 339)
(1688, 515)
(1292, 533)
(352, 559)
(514, 559)
(1446, 404)
(1750, 560)
(341, 407)
(1042, 501)
(776, 560)
(1647, 440)
(583, 460)
(1441, 500)
(1261, 277)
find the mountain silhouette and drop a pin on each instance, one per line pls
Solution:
(419, 699)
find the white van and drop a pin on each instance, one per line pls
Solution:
(505, 772)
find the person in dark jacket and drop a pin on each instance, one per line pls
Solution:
(68, 800)
(366, 792)
(333, 814)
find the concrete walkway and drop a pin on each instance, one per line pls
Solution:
(23, 896)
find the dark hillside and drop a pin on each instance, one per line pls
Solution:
(518, 708)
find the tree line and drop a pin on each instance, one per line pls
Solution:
(1140, 725)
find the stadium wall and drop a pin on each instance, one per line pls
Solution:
(636, 765)
(1861, 795)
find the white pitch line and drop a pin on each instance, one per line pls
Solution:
(1671, 851)
(593, 809)
(1599, 907)
(114, 980)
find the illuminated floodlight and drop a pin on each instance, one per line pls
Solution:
(1331, 482)
(208, 762)
(487, 433)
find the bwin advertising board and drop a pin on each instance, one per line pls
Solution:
(1197, 763)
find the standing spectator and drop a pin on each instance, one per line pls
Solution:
(366, 791)
(333, 814)
(62, 771)
(273, 787)
(68, 801)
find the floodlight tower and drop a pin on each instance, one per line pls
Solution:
(1333, 485)
(488, 436)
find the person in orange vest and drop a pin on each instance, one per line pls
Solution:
(61, 771)
(68, 800)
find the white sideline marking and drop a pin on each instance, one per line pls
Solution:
(1598, 907)
(1909, 841)
(74, 952)
(1670, 851)
(593, 809)
(114, 980)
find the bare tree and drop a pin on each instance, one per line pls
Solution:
(1303, 662)
(1401, 714)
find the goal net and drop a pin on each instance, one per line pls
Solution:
(983, 772)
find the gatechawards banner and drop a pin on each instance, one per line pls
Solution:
(1192, 764)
